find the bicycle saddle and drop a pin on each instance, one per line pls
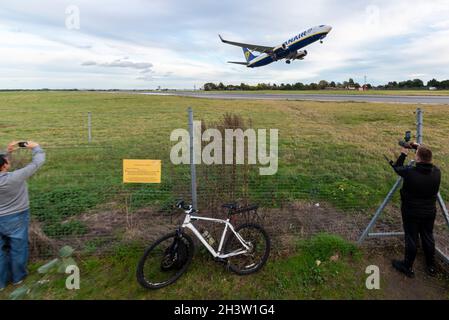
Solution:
(231, 206)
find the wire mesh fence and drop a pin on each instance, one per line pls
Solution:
(330, 178)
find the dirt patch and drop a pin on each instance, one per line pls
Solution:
(296, 220)
(302, 220)
(145, 224)
(108, 227)
(40, 243)
(396, 286)
(4, 126)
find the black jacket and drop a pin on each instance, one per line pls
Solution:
(420, 187)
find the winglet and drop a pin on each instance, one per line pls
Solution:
(221, 38)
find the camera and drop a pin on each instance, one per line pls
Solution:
(22, 144)
(405, 143)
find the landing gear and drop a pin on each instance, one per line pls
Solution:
(321, 41)
(288, 62)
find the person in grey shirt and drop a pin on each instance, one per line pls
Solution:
(14, 214)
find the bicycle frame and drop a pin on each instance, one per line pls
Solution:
(216, 254)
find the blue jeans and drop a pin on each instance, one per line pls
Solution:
(13, 247)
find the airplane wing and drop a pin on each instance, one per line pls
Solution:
(253, 47)
(236, 62)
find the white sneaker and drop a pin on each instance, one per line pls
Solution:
(18, 283)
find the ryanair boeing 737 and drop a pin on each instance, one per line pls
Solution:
(289, 50)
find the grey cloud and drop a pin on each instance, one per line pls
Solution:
(189, 31)
(145, 78)
(145, 68)
(120, 64)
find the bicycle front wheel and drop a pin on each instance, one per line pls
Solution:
(254, 259)
(165, 260)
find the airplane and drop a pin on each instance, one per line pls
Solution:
(289, 50)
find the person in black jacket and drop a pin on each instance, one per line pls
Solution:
(419, 192)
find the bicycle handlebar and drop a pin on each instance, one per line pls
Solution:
(182, 205)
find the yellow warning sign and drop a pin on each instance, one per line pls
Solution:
(141, 171)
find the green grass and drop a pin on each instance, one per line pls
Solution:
(294, 277)
(328, 151)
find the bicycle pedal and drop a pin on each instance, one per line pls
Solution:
(221, 260)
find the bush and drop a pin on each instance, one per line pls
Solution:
(63, 202)
(71, 228)
(323, 246)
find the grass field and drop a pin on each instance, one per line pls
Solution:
(342, 143)
(296, 277)
(330, 152)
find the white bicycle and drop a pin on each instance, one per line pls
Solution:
(244, 251)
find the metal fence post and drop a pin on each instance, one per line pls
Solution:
(379, 210)
(192, 161)
(366, 233)
(419, 125)
(89, 127)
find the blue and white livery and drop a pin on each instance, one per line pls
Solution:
(289, 50)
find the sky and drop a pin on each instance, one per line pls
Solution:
(146, 44)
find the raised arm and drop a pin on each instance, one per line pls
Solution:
(37, 162)
(399, 167)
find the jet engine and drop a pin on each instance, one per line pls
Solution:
(300, 54)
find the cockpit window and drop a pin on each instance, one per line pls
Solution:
(322, 26)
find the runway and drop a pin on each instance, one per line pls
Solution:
(436, 100)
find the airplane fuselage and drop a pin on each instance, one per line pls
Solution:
(291, 46)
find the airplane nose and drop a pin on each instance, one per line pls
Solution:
(329, 28)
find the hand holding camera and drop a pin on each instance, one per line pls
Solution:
(406, 144)
(21, 144)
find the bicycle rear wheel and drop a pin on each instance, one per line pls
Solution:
(165, 260)
(259, 242)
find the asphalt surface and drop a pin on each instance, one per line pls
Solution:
(312, 97)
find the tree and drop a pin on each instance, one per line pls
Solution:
(313, 86)
(444, 84)
(244, 86)
(323, 84)
(417, 83)
(433, 83)
(298, 86)
(392, 85)
(210, 86)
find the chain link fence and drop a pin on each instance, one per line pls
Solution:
(328, 180)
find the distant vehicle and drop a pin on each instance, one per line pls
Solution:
(289, 50)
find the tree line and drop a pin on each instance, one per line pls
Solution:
(323, 84)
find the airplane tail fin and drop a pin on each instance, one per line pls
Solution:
(248, 54)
